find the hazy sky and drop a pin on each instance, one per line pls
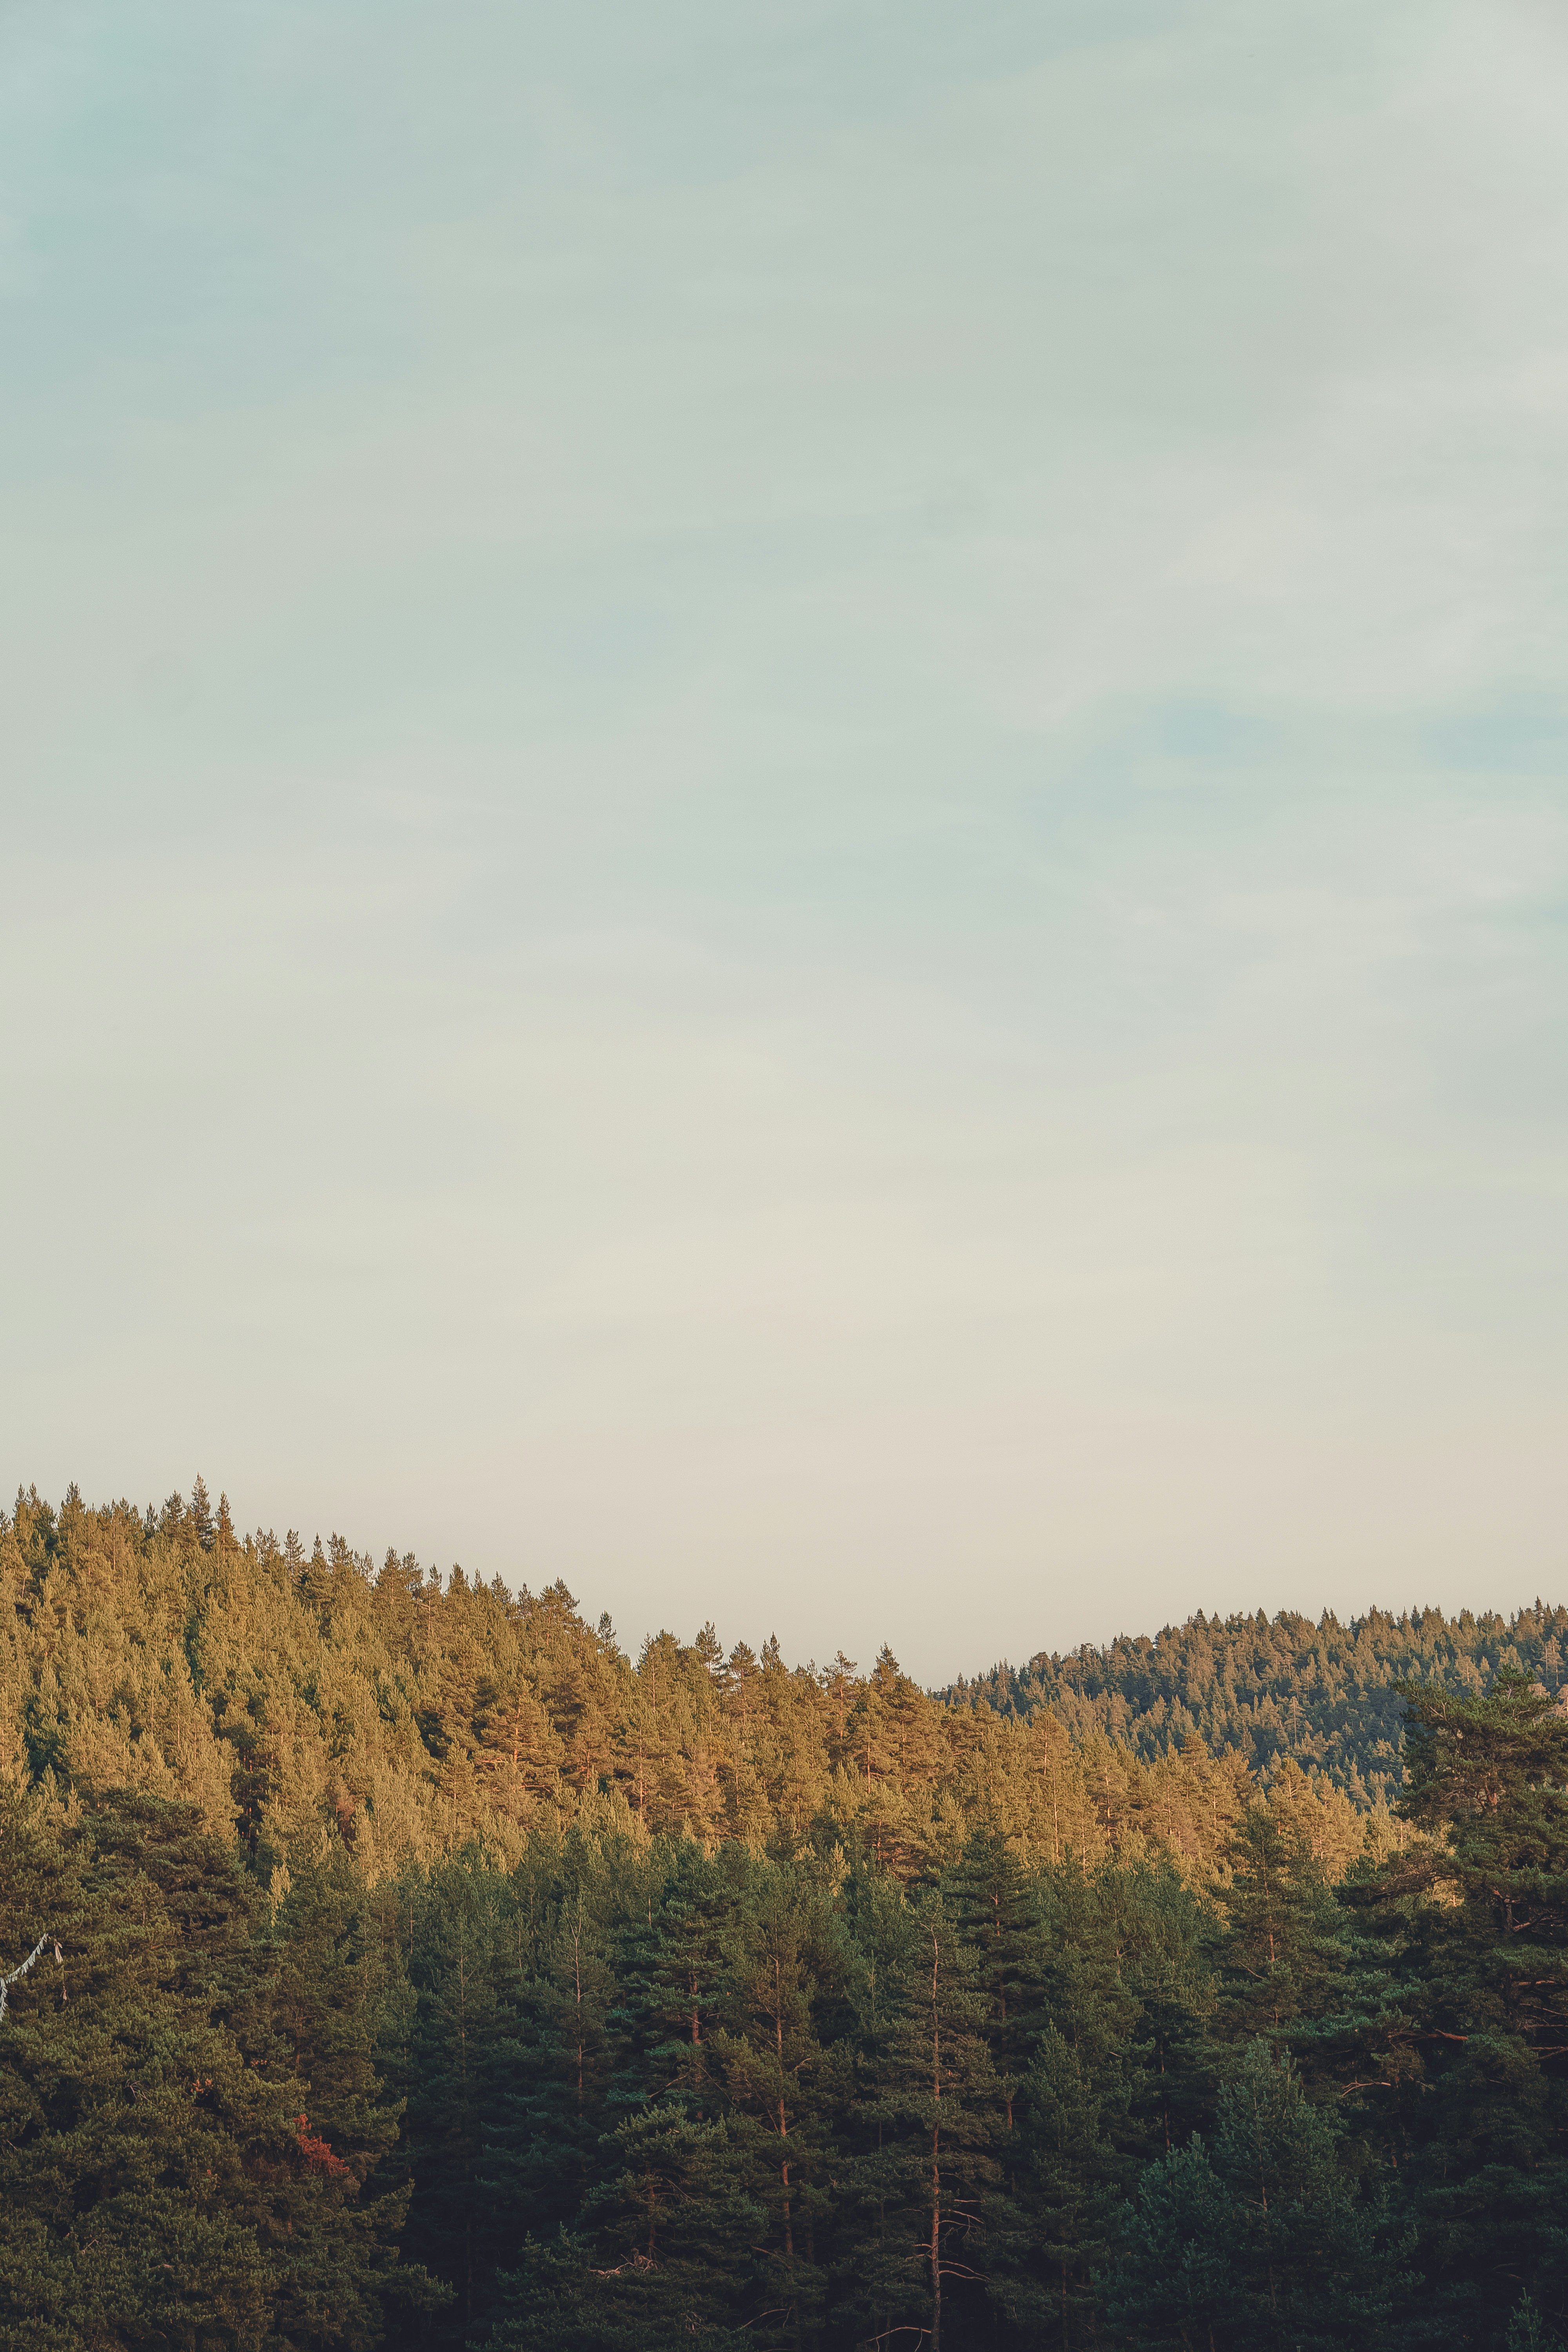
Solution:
(786, 797)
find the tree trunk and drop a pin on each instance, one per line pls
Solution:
(935, 2156)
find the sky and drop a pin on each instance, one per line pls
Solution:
(784, 798)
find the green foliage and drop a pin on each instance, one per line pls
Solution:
(928, 2121)
(1528, 2332)
(1466, 2042)
(1328, 1696)
(1259, 2240)
(188, 2111)
(1282, 1957)
(431, 1974)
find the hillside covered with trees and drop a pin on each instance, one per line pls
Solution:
(1322, 1694)
(391, 1959)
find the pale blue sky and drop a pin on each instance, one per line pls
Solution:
(785, 807)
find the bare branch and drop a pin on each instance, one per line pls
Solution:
(21, 1970)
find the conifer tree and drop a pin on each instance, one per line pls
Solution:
(933, 2102)
(664, 2256)
(450, 2069)
(1085, 2101)
(1282, 1957)
(782, 2083)
(1470, 2060)
(159, 2178)
(543, 2150)
(994, 1910)
(1261, 2241)
(326, 2001)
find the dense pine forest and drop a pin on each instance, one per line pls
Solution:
(390, 1959)
(1322, 1694)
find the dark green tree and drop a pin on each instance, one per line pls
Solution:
(447, 2063)
(163, 2179)
(783, 2085)
(545, 2127)
(663, 2257)
(933, 2102)
(994, 1907)
(1469, 2063)
(1115, 1955)
(1260, 2240)
(1282, 1957)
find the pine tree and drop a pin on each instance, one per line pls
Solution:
(934, 2105)
(994, 1911)
(1475, 2036)
(1062, 2215)
(673, 1973)
(1089, 2103)
(1261, 2243)
(130, 2128)
(159, 2180)
(450, 2069)
(782, 2083)
(322, 2010)
(664, 2254)
(1283, 1954)
(543, 2152)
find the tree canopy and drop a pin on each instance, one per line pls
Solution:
(391, 1959)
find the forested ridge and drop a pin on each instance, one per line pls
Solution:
(1323, 1694)
(390, 1958)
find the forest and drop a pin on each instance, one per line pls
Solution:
(1324, 1693)
(388, 1958)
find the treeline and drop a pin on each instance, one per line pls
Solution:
(316, 1699)
(394, 1961)
(1319, 1694)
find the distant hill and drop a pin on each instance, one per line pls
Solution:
(1319, 1692)
(292, 1692)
